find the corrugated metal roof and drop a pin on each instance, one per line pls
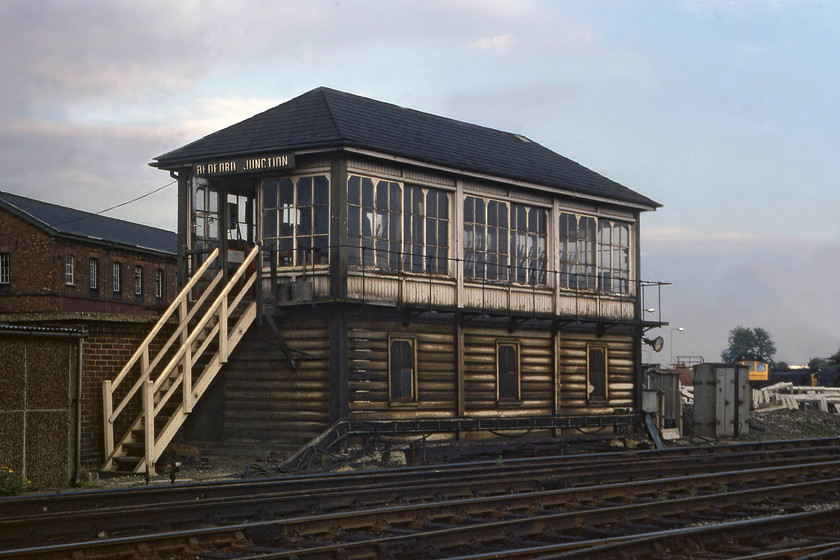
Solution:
(76, 223)
(326, 118)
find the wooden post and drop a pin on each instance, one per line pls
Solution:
(223, 330)
(149, 417)
(107, 410)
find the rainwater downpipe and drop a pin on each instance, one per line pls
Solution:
(78, 478)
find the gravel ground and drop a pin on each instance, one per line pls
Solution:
(779, 423)
(207, 464)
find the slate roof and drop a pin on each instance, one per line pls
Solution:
(60, 220)
(327, 119)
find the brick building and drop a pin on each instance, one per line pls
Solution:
(69, 270)
(57, 259)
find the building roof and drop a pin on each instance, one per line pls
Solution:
(60, 220)
(328, 119)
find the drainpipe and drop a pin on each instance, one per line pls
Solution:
(77, 480)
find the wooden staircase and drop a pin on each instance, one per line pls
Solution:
(169, 374)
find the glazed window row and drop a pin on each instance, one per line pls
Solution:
(393, 226)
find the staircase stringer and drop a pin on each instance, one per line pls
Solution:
(155, 387)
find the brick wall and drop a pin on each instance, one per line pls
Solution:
(108, 344)
(38, 274)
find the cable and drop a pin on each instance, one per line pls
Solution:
(118, 205)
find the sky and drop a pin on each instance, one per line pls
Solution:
(725, 112)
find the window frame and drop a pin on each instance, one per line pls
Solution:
(583, 250)
(283, 222)
(159, 283)
(138, 281)
(93, 274)
(498, 238)
(69, 270)
(516, 398)
(411, 399)
(5, 268)
(116, 277)
(591, 397)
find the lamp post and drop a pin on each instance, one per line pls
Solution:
(678, 329)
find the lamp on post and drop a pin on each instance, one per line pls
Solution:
(678, 329)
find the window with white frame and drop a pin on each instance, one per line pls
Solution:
(117, 277)
(576, 244)
(393, 226)
(374, 222)
(296, 219)
(159, 283)
(425, 230)
(5, 268)
(505, 241)
(594, 253)
(138, 281)
(94, 273)
(69, 263)
(614, 256)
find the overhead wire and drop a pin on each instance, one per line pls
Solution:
(169, 184)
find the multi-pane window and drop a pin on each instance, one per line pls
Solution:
(507, 371)
(69, 262)
(159, 283)
(5, 268)
(138, 281)
(397, 227)
(505, 241)
(614, 256)
(596, 372)
(117, 277)
(425, 230)
(577, 252)
(374, 228)
(402, 370)
(205, 215)
(594, 253)
(94, 274)
(296, 219)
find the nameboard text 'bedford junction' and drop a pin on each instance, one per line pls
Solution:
(245, 165)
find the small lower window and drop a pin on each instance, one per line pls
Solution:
(507, 371)
(402, 370)
(68, 269)
(159, 283)
(94, 274)
(138, 281)
(596, 372)
(117, 277)
(5, 268)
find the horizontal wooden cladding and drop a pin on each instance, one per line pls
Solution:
(265, 397)
(573, 375)
(368, 370)
(536, 372)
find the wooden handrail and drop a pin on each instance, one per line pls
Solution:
(185, 336)
(164, 318)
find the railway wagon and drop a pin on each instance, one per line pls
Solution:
(400, 266)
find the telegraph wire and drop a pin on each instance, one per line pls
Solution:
(89, 214)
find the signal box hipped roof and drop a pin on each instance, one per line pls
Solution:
(328, 119)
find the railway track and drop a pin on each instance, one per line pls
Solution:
(525, 508)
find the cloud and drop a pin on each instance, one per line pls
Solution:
(496, 44)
